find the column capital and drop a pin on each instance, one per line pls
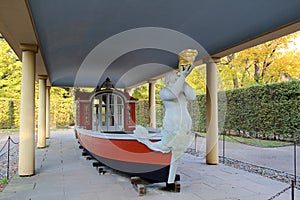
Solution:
(43, 77)
(29, 47)
(212, 60)
(152, 81)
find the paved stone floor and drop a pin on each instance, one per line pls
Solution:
(63, 174)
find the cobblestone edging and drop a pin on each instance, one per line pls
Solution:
(259, 170)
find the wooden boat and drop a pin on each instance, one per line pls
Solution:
(122, 152)
(105, 120)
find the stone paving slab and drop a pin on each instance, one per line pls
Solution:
(63, 174)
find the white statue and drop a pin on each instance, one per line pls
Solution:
(177, 122)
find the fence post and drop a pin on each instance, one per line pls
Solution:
(196, 149)
(295, 157)
(223, 147)
(293, 192)
(8, 149)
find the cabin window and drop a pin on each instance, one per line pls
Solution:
(129, 114)
(111, 111)
(78, 114)
(86, 114)
(96, 109)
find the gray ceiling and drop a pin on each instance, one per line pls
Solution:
(84, 41)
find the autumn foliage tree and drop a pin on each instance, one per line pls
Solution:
(269, 62)
(10, 72)
(10, 93)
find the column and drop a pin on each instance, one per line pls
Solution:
(152, 105)
(27, 129)
(212, 156)
(41, 143)
(48, 112)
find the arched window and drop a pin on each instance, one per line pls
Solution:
(108, 111)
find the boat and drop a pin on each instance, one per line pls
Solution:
(105, 120)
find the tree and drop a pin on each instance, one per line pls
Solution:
(197, 79)
(142, 92)
(10, 72)
(261, 64)
(10, 92)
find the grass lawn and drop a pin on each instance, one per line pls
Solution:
(252, 141)
(256, 142)
(9, 131)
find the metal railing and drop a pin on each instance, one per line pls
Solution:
(281, 175)
(293, 179)
(5, 155)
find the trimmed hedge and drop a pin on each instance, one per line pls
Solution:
(271, 111)
(9, 115)
(61, 113)
(267, 111)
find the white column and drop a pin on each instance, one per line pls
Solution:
(27, 129)
(152, 105)
(48, 112)
(41, 143)
(211, 112)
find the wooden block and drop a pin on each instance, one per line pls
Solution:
(138, 180)
(141, 189)
(101, 170)
(139, 185)
(89, 158)
(135, 180)
(96, 164)
(177, 187)
(177, 177)
(174, 187)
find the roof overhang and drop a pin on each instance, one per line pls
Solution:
(83, 42)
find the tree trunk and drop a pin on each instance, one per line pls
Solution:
(235, 82)
(256, 72)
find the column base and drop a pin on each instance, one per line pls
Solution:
(211, 163)
(26, 175)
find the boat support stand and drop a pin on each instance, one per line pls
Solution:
(140, 184)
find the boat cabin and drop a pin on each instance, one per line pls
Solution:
(106, 109)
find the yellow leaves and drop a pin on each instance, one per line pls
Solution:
(261, 64)
(197, 79)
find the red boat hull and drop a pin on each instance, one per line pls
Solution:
(124, 153)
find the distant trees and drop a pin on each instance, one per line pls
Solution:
(10, 72)
(269, 62)
(10, 86)
(10, 93)
(61, 106)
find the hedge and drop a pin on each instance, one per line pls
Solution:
(269, 111)
(61, 113)
(9, 115)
